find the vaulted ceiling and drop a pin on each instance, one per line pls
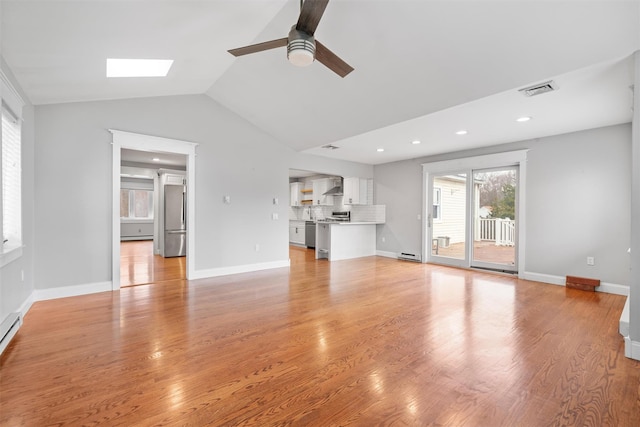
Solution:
(423, 69)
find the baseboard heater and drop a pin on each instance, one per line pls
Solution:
(8, 329)
(405, 256)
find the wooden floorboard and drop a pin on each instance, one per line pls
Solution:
(365, 342)
(139, 265)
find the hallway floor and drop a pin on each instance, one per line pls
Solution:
(139, 266)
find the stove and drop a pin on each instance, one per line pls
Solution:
(339, 216)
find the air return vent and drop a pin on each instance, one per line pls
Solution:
(406, 256)
(539, 89)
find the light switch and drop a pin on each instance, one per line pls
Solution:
(274, 216)
(227, 200)
(275, 200)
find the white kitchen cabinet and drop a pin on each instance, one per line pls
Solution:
(356, 191)
(296, 232)
(296, 193)
(321, 186)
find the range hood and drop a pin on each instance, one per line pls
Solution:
(335, 191)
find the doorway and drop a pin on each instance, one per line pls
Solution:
(154, 147)
(474, 212)
(144, 180)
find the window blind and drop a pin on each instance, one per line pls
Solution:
(11, 179)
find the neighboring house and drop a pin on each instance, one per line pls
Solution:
(449, 207)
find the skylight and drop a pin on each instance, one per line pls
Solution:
(138, 67)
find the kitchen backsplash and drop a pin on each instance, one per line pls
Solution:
(372, 213)
(369, 213)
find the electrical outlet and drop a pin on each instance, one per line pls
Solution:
(227, 200)
(274, 216)
(591, 260)
(384, 240)
(257, 247)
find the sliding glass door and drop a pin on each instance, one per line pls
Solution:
(448, 218)
(495, 219)
(472, 211)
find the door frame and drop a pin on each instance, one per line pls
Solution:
(141, 142)
(467, 164)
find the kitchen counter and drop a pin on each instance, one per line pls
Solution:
(345, 240)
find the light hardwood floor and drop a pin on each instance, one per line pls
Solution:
(364, 342)
(139, 266)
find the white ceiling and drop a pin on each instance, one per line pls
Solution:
(423, 69)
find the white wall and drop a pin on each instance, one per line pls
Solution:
(15, 293)
(578, 202)
(234, 158)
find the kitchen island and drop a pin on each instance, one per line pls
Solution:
(345, 240)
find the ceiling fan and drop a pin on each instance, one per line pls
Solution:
(302, 47)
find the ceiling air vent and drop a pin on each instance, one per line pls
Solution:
(330, 147)
(539, 89)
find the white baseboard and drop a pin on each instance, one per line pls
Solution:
(387, 254)
(544, 278)
(623, 325)
(236, 269)
(631, 348)
(71, 291)
(609, 288)
(26, 305)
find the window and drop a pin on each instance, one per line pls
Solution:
(136, 204)
(437, 208)
(11, 179)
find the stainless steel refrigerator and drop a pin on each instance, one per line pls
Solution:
(175, 220)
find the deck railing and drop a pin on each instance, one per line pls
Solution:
(498, 230)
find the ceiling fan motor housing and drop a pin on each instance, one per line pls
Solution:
(301, 48)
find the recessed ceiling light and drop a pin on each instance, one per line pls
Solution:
(380, 150)
(461, 132)
(138, 67)
(415, 142)
(523, 119)
(155, 159)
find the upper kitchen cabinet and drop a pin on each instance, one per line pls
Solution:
(320, 187)
(296, 193)
(356, 191)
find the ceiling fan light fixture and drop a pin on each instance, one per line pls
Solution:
(300, 54)
(301, 48)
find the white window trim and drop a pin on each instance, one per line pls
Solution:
(9, 95)
(132, 219)
(439, 219)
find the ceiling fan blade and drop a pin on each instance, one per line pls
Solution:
(258, 47)
(310, 15)
(331, 60)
